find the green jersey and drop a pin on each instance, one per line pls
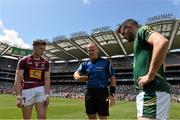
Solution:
(142, 59)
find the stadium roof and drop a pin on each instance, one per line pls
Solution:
(110, 42)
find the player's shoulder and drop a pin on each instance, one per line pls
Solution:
(104, 60)
(24, 58)
(146, 29)
(84, 62)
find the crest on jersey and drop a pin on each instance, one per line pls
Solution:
(36, 64)
(42, 65)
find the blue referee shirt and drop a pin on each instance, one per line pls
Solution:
(98, 72)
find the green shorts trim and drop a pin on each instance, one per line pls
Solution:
(153, 105)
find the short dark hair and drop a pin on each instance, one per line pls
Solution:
(39, 42)
(128, 21)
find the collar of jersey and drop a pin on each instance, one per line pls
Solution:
(96, 60)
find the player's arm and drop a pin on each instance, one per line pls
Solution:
(79, 77)
(78, 74)
(112, 91)
(160, 48)
(112, 85)
(17, 82)
(113, 82)
(18, 87)
(47, 82)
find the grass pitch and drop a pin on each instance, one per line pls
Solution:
(74, 109)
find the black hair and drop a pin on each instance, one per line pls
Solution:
(128, 21)
(39, 42)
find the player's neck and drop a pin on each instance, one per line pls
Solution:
(35, 56)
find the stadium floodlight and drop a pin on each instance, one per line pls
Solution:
(78, 34)
(59, 38)
(162, 17)
(101, 29)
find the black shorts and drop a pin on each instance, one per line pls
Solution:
(95, 101)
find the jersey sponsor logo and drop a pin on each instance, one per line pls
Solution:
(99, 69)
(35, 74)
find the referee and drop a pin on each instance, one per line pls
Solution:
(97, 72)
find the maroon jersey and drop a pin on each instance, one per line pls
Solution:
(34, 71)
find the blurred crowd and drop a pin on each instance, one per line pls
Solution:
(123, 92)
(6, 87)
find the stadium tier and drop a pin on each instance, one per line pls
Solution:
(63, 72)
(111, 44)
(66, 54)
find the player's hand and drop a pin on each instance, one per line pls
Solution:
(83, 78)
(111, 100)
(19, 102)
(46, 100)
(144, 80)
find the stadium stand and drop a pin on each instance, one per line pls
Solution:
(66, 54)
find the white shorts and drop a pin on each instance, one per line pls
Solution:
(33, 95)
(153, 105)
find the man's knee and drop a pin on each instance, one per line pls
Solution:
(41, 115)
(26, 116)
